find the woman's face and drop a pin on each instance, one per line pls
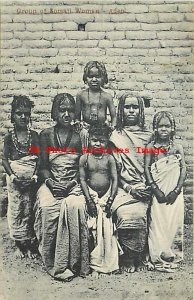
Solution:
(66, 113)
(131, 111)
(22, 117)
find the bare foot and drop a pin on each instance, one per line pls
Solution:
(102, 275)
(30, 254)
(94, 274)
(141, 267)
(150, 266)
(129, 269)
(19, 254)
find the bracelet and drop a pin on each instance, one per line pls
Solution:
(154, 186)
(35, 177)
(12, 177)
(125, 186)
(177, 190)
(47, 180)
(74, 181)
(109, 201)
(151, 182)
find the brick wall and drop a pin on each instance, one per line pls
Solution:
(146, 46)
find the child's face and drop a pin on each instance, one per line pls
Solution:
(94, 79)
(66, 113)
(131, 111)
(22, 117)
(97, 141)
(164, 129)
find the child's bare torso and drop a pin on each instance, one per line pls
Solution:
(94, 106)
(98, 174)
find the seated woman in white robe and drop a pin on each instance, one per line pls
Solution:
(60, 214)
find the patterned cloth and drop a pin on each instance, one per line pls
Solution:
(20, 213)
(131, 214)
(166, 225)
(61, 225)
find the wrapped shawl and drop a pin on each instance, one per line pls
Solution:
(19, 214)
(166, 226)
(131, 213)
(60, 224)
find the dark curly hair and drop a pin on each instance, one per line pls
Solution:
(102, 130)
(157, 118)
(20, 102)
(101, 68)
(120, 112)
(57, 101)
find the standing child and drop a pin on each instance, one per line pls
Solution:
(165, 173)
(92, 103)
(98, 177)
(21, 168)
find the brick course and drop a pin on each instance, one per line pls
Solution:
(146, 47)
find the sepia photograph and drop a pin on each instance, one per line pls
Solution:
(96, 142)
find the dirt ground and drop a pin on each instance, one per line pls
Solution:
(27, 280)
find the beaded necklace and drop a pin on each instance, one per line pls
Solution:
(167, 153)
(23, 147)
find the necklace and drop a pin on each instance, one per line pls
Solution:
(21, 147)
(68, 139)
(166, 153)
(94, 108)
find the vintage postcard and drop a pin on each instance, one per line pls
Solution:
(97, 149)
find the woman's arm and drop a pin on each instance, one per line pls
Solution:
(44, 170)
(6, 155)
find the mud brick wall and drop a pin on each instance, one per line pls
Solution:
(146, 46)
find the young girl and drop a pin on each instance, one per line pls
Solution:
(165, 174)
(92, 103)
(21, 167)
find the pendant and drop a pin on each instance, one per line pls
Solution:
(93, 113)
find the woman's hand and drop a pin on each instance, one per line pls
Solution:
(22, 183)
(160, 196)
(57, 189)
(171, 197)
(137, 194)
